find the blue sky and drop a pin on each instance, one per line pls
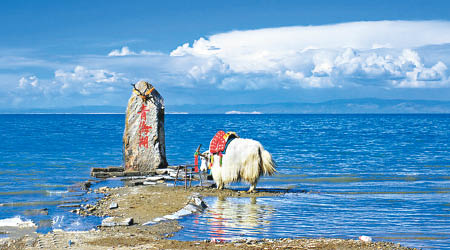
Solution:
(70, 53)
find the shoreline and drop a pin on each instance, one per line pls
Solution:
(145, 203)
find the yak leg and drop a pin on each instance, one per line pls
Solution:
(220, 186)
(252, 188)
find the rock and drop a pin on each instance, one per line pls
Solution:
(162, 171)
(211, 184)
(95, 170)
(168, 178)
(68, 205)
(134, 183)
(101, 175)
(115, 221)
(103, 189)
(108, 172)
(198, 201)
(154, 178)
(16, 222)
(42, 211)
(195, 205)
(132, 173)
(85, 185)
(113, 205)
(365, 238)
(116, 174)
(174, 174)
(114, 169)
(144, 138)
(149, 183)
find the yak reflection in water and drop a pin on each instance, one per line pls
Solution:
(229, 217)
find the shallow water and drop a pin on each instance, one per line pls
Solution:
(44, 157)
(383, 217)
(386, 176)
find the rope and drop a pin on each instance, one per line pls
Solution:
(146, 95)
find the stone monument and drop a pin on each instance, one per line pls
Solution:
(143, 139)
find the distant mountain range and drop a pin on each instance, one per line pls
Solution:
(68, 110)
(348, 106)
(351, 106)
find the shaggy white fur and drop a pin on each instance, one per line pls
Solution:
(245, 159)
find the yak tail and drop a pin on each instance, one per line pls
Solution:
(267, 163)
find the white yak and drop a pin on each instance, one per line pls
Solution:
(244, 159)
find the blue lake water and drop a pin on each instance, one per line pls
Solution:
(386, 176)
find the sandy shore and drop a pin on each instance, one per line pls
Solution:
(146, 203)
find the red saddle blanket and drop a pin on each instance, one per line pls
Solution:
(219, 141)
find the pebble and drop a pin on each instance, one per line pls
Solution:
(113, 205)
(103, 189)
(365, 238)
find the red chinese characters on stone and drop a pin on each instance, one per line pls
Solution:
(144, 129)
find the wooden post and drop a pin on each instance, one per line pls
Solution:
(190, 177)
(185, 177)
(176, 177)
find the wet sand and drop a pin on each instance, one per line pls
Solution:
(145, 203)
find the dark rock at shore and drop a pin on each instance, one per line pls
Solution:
(42, 211)
(104, 173)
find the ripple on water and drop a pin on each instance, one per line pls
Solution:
(312, 214)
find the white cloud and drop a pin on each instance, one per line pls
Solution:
(30, 81)
(374, 53)
(29, 89)
(357, 35)
(367, 56)
(125, 51)
(67, 85)
(88, 81)
(82, 74)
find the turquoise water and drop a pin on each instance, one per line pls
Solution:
(386, 176)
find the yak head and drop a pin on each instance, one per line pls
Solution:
(205, 156)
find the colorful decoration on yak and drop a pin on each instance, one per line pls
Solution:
(219, 144)
(220, 140)
(211, 162)
(144, 129)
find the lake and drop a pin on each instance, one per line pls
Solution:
(385, 176)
